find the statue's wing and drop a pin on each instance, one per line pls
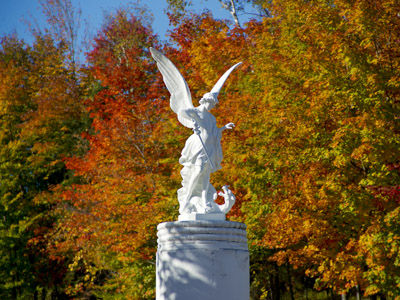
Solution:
(176, 85)
(217, 87)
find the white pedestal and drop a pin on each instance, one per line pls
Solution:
(202, 260)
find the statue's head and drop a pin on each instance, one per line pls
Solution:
(209, 97)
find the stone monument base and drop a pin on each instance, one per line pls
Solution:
(202, 260)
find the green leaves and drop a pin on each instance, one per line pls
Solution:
(337, 137)
(40, 115)
(313, 160)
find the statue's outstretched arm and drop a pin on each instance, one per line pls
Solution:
(227, 126)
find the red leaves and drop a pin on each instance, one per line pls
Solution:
(114, 209)
(313, 160)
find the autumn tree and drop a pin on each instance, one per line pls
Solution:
(109, 218)
(64, 26)
(316, 140)
(15, 266)
(206, 48)
(313, 160)
(236, 8)
(326, 145)
(40, 115)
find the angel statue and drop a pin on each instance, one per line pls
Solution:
(202, 154)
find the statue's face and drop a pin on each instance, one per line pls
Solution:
(209, 105)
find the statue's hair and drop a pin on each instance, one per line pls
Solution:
(209, 97)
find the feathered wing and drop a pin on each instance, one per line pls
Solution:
(176, 85)
(217, 87)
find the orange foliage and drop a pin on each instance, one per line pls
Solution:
(123, 192)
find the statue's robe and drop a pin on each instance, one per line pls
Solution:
(192, 155)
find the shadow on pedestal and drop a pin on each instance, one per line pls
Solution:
(202, 260)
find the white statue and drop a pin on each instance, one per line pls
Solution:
(202, 154)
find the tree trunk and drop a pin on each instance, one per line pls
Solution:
(277, 288)
(289, 280)
(305, 289)
(231, 7)
(270, 286)
(331, 292)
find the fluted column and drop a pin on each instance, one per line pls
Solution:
(202, 260)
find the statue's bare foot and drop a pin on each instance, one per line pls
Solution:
(208, 208)
(192, 208)
(187, 208)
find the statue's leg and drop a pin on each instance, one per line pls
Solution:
(206, 185)
(194, 178)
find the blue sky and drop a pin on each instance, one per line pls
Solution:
(12, 13)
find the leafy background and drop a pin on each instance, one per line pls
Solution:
(89, 147)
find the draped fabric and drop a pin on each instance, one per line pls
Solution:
(192, 155)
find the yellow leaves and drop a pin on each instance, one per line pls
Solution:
(314, 125)
(355, 73)
(361, 152)
(44, 147)
(311, 250)
(367, 43)
(341, 160)
(394, 81)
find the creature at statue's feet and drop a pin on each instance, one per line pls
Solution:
(187, 208)
(209, 209)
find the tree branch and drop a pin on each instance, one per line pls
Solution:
(231, 7)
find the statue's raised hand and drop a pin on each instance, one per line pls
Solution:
(229, 126)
